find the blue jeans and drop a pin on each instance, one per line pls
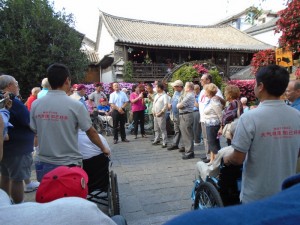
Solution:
(42, 168)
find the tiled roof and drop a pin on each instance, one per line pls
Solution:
(139, 32)
(92, 56)
(270, 25)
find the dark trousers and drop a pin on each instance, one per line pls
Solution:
(118, 119)
(139, 117)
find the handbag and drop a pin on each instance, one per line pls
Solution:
(226, 132)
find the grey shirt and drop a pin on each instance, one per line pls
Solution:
(95, 96)
(270, 135)
(56, 119)
(187, 100)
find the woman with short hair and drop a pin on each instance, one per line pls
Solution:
(212, 119)
(234, 109)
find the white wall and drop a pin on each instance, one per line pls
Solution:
(106, 45)
(107, 77)
(268, 37)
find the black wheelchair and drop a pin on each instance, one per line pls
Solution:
(101, 126)
(103, 184)
(223, 190)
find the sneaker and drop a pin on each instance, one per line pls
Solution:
(196, 144)
(32, 186)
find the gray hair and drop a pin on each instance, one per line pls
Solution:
(45, 83)
(5, 81)
(244, 100)
(190, 85)
(35, 90)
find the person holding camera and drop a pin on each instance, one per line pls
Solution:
(17, 151)
(138, 110)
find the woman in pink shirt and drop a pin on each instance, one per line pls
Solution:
(138, 110)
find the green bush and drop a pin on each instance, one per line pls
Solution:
(217, 79)
(185, 73)
(128, 71)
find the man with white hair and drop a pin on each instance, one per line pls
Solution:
(46, 86)
(17, 151)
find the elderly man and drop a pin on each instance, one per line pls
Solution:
(196, 115)
(46, 86)
(17, 152)
(160, 106)
(267, 139)
(97, 94)
(185, 106)
(118, 101)
(293, 93)
(79, 94)
(56, 119)
(203, 100)
(178, 91)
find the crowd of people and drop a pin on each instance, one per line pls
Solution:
(56, 123)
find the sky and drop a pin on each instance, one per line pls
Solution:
(193, 12)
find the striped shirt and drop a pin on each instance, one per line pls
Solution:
(187, 101)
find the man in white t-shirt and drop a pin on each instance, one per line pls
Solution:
(202, 101)
(267, 139)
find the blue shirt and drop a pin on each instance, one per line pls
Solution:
(197, 100)
(105, 108)
(42, 93)
(174, 102)
(20, 136)
(118, 98)
(296, 104)
(5, 117)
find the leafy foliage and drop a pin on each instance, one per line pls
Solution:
(246, 88)
(128, 71)
(217, 79)
(262, 58)
(185, 73)
(32, 37)
(289, 25)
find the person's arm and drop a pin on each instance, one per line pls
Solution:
(134, 99)
(1, 137)
(94, 137)
(235, 158)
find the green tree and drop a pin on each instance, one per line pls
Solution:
(32, 37)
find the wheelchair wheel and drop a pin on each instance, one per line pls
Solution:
(207, 196)
(113, 199)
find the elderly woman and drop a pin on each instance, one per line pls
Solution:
(233, 110)
(138, 110)
(212, 119)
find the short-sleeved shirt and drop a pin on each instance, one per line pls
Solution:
(296, 104)
(105, 108)
(270, 135)
(56, 118)
(95, 96)
(118, 98)
(138, 105)
(203, 101)
(174, 102)
(187, 101)
(87, 148)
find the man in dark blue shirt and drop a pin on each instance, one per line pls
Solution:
(17, 151)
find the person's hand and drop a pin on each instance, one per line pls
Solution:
(106, 151)
(121, 111)
(141, 95)
(220, 131)
(8, 103)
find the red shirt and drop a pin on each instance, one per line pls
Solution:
(30, 101)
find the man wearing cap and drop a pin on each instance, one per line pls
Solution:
(79, 94)
(97, 94)
(118, 101)
(203, 100)
(178, 87)
(56, 119)
(185, 106)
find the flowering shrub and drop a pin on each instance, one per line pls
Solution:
(297, 73)
(200, 69)
(107, 87)
(262, 58)
(289, 25)
(246, 88)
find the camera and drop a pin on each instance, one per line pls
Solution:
(145, 94)
(3, 98)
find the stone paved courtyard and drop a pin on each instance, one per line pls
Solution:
(154, 184)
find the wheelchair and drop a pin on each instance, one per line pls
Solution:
(103, 184)
(101, 126)
(222, 190)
